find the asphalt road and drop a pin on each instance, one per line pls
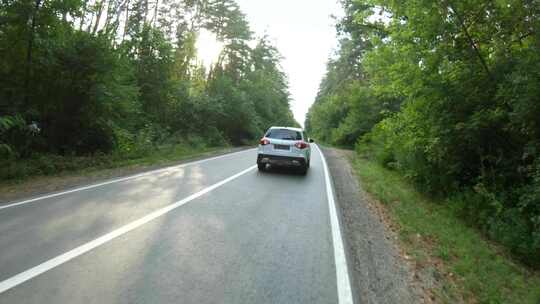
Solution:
(212, 231)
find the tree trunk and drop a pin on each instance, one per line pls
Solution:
(471, 41)
(154, 18)
(89, 27)
(118, 13)
(110, 11)
(85, 3)
(146, 7)
(98, 17)
(127, 21)
(30, 45)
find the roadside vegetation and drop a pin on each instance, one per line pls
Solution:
(57, 165)
(446, 96)
(96, 82)
(443, 246)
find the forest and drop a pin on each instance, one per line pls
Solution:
(447, 93)
(122, 77)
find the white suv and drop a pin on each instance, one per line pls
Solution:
(284, 146)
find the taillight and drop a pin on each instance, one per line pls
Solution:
(264, 142)
(301, 145)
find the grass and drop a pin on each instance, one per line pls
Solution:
(17, 171)
(466, 267)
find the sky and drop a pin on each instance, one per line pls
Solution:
(302, 30)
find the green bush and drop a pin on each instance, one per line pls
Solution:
(448, 95)
(130, 90)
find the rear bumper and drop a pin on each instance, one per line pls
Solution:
(280, 160)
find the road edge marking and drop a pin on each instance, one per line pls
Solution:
(342, 272)
(67, 256)
(117, 180)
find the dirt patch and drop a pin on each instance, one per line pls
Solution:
(381, 272)
(40, 185)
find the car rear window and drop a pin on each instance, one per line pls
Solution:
(284, 134)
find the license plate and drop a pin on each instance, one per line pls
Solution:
(282, 147)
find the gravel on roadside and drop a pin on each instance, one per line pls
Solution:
(379, 274)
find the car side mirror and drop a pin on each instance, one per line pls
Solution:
(311, 140)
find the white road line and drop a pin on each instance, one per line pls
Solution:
(342, 273)
(63, 258)
(9, 205)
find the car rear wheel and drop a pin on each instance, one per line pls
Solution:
(261, 166)
(304, 169)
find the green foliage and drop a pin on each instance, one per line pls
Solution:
(9, 127)
(85, 78)
(447, 94)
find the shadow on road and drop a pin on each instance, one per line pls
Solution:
(284, 171)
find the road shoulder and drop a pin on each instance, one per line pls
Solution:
(41, 185)
(379, 273)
